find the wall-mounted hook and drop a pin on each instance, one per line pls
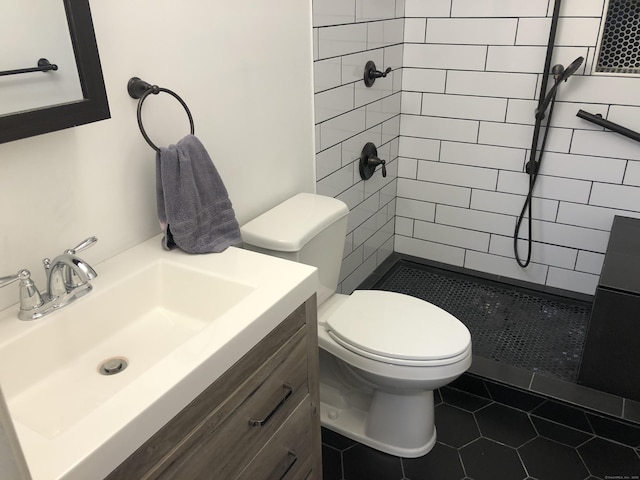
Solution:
(369, 161)
(371, 73)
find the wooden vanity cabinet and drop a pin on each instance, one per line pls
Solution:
(260, 420)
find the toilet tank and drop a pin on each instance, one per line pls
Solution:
(306, 228)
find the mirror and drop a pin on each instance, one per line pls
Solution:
(91, 108)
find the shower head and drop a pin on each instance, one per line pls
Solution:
(570, 70)
(561, 74)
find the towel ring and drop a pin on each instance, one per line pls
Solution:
(139, 89)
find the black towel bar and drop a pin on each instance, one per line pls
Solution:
(139, 89)
(598, 120)
(43, 66)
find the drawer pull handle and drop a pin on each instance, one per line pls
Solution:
(288, 390)
(292, 458)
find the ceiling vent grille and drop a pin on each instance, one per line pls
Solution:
(620, 43)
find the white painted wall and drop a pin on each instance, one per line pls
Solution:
(244, 69)
(471, 78)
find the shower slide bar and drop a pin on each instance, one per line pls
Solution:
(598, 120)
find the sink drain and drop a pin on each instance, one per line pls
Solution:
(113, 365)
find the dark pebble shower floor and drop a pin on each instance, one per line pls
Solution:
(523, 328)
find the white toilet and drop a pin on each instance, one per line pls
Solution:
(381, 353)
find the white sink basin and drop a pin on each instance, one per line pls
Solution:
(141, 318)
(179, 320)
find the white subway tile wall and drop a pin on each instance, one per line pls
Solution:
(471, 78)
(347, 34)
(455, 119)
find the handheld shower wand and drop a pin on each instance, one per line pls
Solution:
(560, 74)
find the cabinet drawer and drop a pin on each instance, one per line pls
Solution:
(288, 455)
(219, 449)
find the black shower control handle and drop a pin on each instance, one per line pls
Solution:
(379, 74)
(369, 161)
(375, 161)
(371, 73)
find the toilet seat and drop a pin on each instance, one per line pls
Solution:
(398, 329)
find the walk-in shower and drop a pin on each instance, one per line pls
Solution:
(531, 330)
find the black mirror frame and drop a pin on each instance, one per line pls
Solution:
(93, 107)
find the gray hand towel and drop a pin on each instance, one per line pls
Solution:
(194, 209)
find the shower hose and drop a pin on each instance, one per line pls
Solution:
(532, 167)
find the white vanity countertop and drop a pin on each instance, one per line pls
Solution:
(92, 445)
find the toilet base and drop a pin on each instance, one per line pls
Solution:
(400, 425)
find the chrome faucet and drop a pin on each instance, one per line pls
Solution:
(68, 278)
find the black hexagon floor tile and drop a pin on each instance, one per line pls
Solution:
(607, 459)
(441, 463)
(331, 463)
(485, 459)
(548, 460)
(364, 463)
(505, 425)
(335, 440)
(551, 451)
(455, 427)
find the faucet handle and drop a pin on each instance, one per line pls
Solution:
(69, 279)
(4, 281)
(83, 245)
(29, 295)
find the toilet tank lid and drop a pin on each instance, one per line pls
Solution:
(289, 226)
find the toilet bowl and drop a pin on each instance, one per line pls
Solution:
(382, 354)
(387, 353)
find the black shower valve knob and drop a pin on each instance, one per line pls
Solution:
(371, 73)
(369, 161)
